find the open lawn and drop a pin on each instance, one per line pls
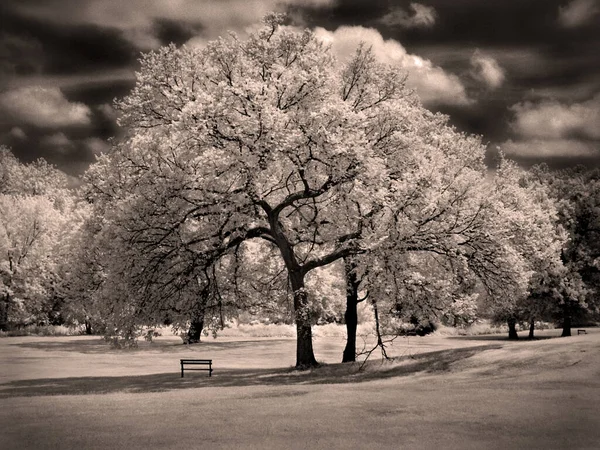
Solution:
(441, 392)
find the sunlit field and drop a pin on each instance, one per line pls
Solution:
(480, 392)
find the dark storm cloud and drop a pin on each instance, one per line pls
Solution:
(169, 31)
(468, 24)
(54, 48)
(505, 53)
(97, 93)
(489, 57)
(71, 150)
(20, 55)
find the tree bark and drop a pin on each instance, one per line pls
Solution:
(531, 328)
(566, 329)
(4, 305)
(351, 314)
(305, 357)
(512, 328)
(88, 327)
(195, 331)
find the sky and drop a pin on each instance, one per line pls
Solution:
(524, 74)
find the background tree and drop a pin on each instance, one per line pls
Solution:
(456, 228)
(550, 290)
(37, 217)
(577, 195)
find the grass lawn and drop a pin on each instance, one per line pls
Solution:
(441, 392)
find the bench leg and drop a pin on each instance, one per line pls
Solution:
(182, 370)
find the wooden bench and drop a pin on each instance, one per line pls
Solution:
(581, 332)
(196, 362)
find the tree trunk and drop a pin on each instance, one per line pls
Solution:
(566, 330)
(351, 314)
(305, 356)
(195, 330)
(531, 328)
(88, 327)
(4, 304)
(512, 328)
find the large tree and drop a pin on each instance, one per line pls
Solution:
(264, 138)
(269, 138)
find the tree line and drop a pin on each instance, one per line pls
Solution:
(262, 175)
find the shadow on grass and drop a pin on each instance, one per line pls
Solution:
(500, 337)
(432, 362)
(98, 346)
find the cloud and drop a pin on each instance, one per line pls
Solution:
(18, 133)
(553, 120)
(422, 17)
(432, 83)
(487, 70)
(577, 13)
(96, 145)
(553, 129)
(544, 148)
(43, 107)
(70, 81)
(58, 142)
(107, 111)
(136, 19)
(20, 55)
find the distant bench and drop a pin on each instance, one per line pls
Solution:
(196, 362)
(581, 332)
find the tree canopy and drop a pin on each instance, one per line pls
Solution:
(37, 216)
(270, 139)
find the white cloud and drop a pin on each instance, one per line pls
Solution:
(59, 142)
(56, 140)
(18, 133)
(96, 145)
(487, 70)
(554, 120)
(135, 18)
(553, 129)
(107, 111)
(577, 13)
(422, 16)
(432, 83)
(547, 148)
(43, 107)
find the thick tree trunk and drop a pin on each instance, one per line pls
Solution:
(531, 328)
(512, 328)
(195, 331)
(351, 314)
(566, 329)
(305, 356)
